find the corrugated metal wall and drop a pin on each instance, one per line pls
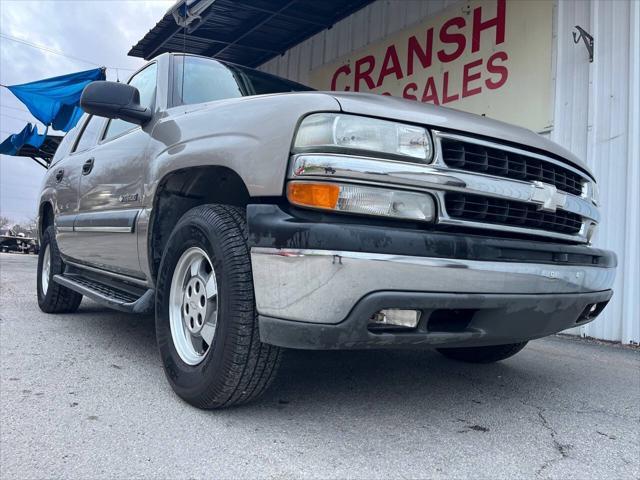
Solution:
(596, 115)
(372, 23)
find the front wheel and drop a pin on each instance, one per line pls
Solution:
(490, 354)
(206, 319)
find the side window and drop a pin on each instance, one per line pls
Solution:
(89, 136)
(145, 82)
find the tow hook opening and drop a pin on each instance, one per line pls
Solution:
(450, 320)
(591, 311)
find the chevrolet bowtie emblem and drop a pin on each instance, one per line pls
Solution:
(547, 196)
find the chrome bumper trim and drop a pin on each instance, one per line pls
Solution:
(322, 286)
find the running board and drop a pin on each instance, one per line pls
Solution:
(121, 297)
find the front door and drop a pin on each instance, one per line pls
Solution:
(110, 201)
(111, 189)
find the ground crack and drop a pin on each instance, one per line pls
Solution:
(561, 448)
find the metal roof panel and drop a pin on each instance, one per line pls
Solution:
(246, 32)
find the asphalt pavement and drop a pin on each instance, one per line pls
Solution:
(84, 396)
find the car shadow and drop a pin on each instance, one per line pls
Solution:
(359, 382)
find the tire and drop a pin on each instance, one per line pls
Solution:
(56, 298)
(493, 353)
(235, 367)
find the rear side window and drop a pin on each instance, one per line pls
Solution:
(89, 136)
(199, 80)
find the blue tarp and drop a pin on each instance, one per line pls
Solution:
(28, 136)
(55, 101)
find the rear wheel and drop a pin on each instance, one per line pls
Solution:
(206, 320)
(52, 297)
(490, 354)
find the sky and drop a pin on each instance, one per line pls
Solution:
(101, 31)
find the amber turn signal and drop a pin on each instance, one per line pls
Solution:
(363, 200)
(318, 195)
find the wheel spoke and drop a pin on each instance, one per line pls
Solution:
(211, 287)
(196, 343)
(208, 331)
(196, 266)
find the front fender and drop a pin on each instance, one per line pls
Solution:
(251, 136)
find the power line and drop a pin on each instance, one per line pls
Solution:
(16, 118)
(56, 52)
(21, 119)
(15, 108)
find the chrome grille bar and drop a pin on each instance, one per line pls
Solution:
(571, 220)
(467, 156)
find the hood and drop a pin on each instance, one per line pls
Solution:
(449, 119)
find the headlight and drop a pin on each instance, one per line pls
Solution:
(362, 200)
(339, 132)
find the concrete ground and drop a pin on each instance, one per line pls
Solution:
(84, 396)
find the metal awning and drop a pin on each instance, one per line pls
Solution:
(42, 155)
(246, 32)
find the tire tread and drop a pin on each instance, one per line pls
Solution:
(249, 365)
(59, 299)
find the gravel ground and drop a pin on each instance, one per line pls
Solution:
(84, 396)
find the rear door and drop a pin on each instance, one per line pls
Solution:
(66, 175)
(111, 189)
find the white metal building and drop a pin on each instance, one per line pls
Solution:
(521, 61)
(595, 107)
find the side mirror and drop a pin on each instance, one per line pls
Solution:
(114, 100)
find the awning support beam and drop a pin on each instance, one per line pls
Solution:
(40, 162)
(226, 43)
(284, 15)
(248, 32)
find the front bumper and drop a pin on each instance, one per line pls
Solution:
(318, 282)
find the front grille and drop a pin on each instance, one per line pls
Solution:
(483, 209)
(501, 163)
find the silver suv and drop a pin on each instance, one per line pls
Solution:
(251, 213)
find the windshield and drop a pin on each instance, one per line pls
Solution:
(198, 80)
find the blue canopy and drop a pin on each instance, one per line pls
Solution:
(55, 101)
(28, 136)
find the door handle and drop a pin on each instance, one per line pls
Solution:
(88, 166)
(59, 175)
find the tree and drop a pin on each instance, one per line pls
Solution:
(27, 227)
(5, 222)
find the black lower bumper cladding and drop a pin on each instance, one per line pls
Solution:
(472, 320)
(273, 227)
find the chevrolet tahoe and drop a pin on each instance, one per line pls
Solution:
(250, 213)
